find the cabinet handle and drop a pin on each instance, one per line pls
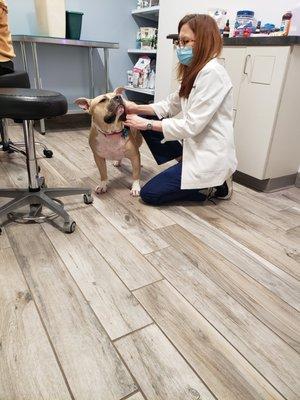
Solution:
(246, 63)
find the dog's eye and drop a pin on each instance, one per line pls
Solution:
(102, 100)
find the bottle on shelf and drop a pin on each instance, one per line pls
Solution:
(258, 27)
(130, 77)
(151, 84)
(286, 23)
(138, 39)
(155, 39)
(226, 30)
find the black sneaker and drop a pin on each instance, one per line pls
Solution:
(223, 192)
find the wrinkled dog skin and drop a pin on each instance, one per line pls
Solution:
(108, 140)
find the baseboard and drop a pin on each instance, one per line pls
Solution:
(267, 185)
(297, 183)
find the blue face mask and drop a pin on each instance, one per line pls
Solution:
(185, 55)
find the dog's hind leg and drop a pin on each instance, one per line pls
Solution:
(101, 164)
(117, 164)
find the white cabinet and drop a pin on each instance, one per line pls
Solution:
(284, 158)
(266, 88)
(233, 59)
(259, 95)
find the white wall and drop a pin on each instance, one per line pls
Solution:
(65, 69)
(171, 11)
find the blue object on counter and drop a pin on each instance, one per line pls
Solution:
(269, 27)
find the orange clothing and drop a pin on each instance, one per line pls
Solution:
(6, 47)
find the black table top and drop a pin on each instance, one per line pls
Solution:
(256, 40)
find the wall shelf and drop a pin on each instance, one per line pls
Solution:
(141, 16)
(147, 13)
(149, 92)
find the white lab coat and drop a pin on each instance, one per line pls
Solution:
(205, 128)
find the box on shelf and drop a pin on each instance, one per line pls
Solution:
(148, 38)
(143, 74)
(147, 3)
(141, 71)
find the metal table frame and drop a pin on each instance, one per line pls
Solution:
(91, 45)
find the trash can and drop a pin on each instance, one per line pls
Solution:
(73, 24)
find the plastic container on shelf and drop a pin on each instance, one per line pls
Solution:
(73, 24)
(151, 84)
(286, 23)
(219, 15)
(51, 17)
(245, 19)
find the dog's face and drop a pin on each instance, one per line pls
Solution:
(107, 110)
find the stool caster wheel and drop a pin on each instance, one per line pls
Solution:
(69, 227)
(48, 153)
(88, 198)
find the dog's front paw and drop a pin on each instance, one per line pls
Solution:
(136, 188)
(102, 188)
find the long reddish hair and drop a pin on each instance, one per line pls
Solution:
(208, 44)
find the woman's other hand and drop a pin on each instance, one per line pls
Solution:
(136, 122)
(130, 107)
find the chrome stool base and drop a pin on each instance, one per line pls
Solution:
(38, 195)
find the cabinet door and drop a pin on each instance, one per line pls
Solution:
(264, 72)
(232, 58)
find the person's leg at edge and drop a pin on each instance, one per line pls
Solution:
(6, 67)
(165, 188)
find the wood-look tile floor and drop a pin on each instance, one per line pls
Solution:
(182, 302)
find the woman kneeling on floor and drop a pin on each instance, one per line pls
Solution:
(202, 137)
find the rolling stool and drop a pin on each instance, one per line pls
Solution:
(16, 79)
(28, 105)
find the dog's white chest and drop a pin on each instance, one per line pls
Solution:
(110, 147)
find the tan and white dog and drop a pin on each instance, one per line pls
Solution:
(109, 139)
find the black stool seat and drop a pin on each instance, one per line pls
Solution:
(18, 79)
(31, 104)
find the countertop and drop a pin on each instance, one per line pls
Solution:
(257, 41)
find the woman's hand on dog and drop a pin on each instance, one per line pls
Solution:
(136, 122)
(130, 107)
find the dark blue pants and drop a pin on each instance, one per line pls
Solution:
(165, 187)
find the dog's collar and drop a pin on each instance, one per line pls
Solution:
(123, 132)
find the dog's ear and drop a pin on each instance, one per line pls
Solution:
(119, 90)
(83, 103)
